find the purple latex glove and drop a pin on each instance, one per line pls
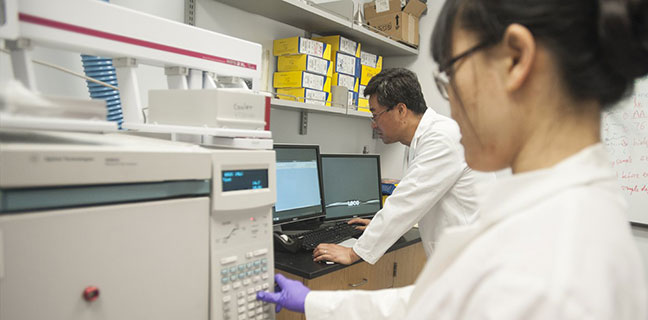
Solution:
(291, 294)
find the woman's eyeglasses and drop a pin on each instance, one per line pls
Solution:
(442, 75)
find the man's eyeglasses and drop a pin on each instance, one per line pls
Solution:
(375, 116)
(442, 76)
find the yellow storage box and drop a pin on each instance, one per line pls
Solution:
(371, 60)
(299, 45)
(304, 95)
(304, 62)
(345, 80)
(367, 73)
(347, 64)
(363, 104)
(341, 44)
(301, 79)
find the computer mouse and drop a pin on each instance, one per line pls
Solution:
(283, 242)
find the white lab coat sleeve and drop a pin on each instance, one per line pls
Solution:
(435, 168)
(358, 304)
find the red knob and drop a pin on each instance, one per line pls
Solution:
(91, 293)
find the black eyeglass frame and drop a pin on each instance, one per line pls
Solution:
(442, 76)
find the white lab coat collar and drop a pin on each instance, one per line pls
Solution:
(510, 195)
(424, 124)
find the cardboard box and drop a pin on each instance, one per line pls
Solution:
(415, 8)
(299, 45)
(304, 62)
(347, 64)
(400, 26)
(341, 44)
(301, 79)
(350, 82)
(381, 7)
(305, 95)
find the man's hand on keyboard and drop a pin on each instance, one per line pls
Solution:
(361, 224)
(335, 253)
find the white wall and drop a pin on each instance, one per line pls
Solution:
(641, 236)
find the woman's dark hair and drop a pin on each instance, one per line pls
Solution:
(396, 85)
(600, 46)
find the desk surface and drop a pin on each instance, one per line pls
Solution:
(301, 263)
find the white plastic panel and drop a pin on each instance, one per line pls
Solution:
(106, 29)
(243, 160)
(149, 260)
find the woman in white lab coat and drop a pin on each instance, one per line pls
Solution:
(526, 81)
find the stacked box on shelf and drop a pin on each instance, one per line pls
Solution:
(304, 70)
(305, 95)
(302, 79)
(392, 19)
(371, 65)
(363, 103)
(300, 45)
(345, 55)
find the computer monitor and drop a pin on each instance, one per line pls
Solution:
(351, 185)
(299, 184)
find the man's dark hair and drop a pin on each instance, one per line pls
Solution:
(396, 85)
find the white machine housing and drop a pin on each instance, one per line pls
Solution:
(188, 54)
(242, 260)
(215, 108)
(146, 259)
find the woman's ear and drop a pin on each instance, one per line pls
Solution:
(520, 50)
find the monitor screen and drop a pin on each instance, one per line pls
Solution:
(351, 185)
(299, 184)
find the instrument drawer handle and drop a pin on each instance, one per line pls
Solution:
(361, 283)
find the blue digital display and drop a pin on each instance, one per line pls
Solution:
(234, 180)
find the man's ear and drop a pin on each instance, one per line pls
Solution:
(520, 50)
(402, 109)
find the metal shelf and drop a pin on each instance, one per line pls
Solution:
(360, 114)
(300, 106)
(316, 20)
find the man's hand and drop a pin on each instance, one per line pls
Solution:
(335, 253)
(364, 223)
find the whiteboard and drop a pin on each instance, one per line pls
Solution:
(624, 131)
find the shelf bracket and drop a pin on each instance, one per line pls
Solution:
(190, 12)
(303, 122)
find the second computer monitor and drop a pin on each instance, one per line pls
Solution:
(351, 185)
(299, 186)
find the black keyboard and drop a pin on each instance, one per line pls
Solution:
(329, 234)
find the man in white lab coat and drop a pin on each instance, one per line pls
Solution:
(437, 190)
